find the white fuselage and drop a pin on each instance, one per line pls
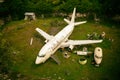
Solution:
(52, 45)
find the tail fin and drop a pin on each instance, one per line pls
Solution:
(73, 19)
(73, 16)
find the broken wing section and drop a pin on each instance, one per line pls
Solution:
(44, 34)
(71, 43)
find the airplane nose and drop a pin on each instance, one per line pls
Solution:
(38, 60)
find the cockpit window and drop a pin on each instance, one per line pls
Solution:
(41, 55)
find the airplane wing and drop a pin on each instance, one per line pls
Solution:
(55, 58)
(79, 42)
(44, 34)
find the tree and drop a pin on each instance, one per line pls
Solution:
(14, 8)
(110, 7)
(68, 6)
(43, 7)
(85, 6)
(3, 10)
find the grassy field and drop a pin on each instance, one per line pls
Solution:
(23, 56)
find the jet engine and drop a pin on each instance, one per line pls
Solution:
(46, 41)
(71, 47)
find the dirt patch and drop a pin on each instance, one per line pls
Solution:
(53, 30)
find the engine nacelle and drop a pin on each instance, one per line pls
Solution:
(71, 47)
(46, 41)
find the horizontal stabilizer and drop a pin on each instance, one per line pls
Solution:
(78, 23)
(67, 21)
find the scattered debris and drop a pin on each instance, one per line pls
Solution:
(82, 61)
(98, 56)
(29, 16)
(110, 39)
(59, 77)
(84, 52)
(73, 60)
(31, 41)
(96, 19)
(96, 36)
(16, 52)
(92, 36)
(66, 55)
(102, 35)
(85, 49)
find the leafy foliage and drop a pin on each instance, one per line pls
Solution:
(4, 56)
(17, 8)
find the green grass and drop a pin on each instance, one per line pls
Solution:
(19, 34)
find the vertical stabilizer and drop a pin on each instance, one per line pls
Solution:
(73, 16)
